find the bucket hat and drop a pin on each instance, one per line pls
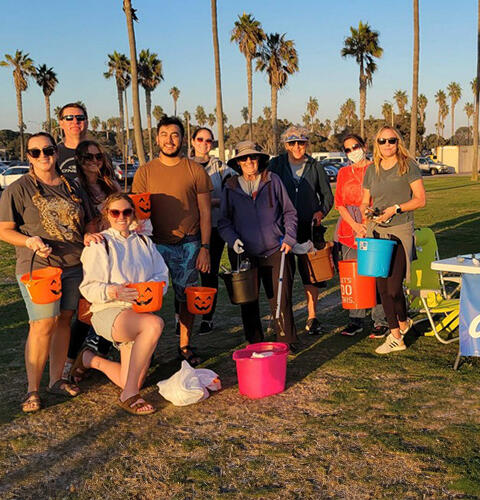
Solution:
(246, 148)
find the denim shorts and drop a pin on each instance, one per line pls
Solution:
(181, 261)
(71, 279)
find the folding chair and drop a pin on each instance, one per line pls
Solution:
(427, 290)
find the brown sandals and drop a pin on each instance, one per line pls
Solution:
(32, 402)
(78, 369)
(136, 409)
(63, 387)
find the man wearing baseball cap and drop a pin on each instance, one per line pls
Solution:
(309, 190)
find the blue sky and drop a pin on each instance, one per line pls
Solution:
(74, 37)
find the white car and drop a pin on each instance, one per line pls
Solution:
(11, 174)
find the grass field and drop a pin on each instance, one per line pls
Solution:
(350, 424)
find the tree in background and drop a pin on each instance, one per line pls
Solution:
(422, 105)
(362, 44)
(469, 109)
(387, 112)
(416, 59)
(312, 108)
(188, 118)
(23, 67)
(245, 114)
(119, 68)
(175, 93)
(94, 123)
(279, 58)
(401, 99)
(150, 75)
(455, 93)
(249, 36)
(267, 112)
(200, 116)
(104, 126)
(476, 90)
(157, 112)
(211, 120)
(47, 80)
(441, 100)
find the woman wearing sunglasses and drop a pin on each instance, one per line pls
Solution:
(123, 257)
(394, 186)
(348, 198)
(43, 213)
(258, 221)
(202, 141)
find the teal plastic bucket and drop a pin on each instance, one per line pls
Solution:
(374, 256)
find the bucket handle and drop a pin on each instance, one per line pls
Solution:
(31, 264)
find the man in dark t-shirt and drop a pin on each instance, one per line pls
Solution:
(74, 124)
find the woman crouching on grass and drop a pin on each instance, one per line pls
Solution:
(124, 257)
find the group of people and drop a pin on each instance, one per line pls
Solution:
(69, 212)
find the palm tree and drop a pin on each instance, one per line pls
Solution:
(23, 67)
(387, 112)
(119, 67)
(475, 90)
(363, 46)
(200, 116)
(150, 75)
(267, 112)
(104, 126)
(422, 105)
(188, 118)
(211, 120)
(157, 112)
(348, 111)
(137, 119)
(312, 107)
(469, 109)
(401, 100)
(249, 35)
(455, 93)
(218, 84)
(441, 100)
(279, 58)
(47, 80)
(175, 93)
(416, 58)
(95, 123)
(245, 114)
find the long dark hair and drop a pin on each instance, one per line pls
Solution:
(105, 177)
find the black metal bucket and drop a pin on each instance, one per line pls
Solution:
(242, 286)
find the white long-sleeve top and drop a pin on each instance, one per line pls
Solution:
(130, 260)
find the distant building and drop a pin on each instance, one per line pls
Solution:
(458, 157)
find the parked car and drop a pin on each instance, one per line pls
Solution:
(331, 171)
(119, 169)
(11, 174)
(427, 166)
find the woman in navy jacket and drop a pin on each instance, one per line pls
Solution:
(259, 221)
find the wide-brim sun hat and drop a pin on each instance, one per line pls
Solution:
(246, 148)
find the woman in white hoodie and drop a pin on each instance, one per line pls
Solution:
(123, 257)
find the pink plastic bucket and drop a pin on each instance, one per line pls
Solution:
(261, 377)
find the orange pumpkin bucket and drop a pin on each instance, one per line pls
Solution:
(200, 299)
(150, 296)
(143, 207)
(43, 285)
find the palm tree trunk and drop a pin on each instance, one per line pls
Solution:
(122, 117)
(363, 100)
(148, 104)
(137, 120)
(188, 135)
(250, 97)
(20, 121)
(274, 98)
(475, 117)
(416, 57)
(47, 111)
(218, 81)
(453, 123)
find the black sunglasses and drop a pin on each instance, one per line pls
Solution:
(390, 140)
(298, 143)
(353, 148)
(47, 151)
(70, 118)
(201, 139)
(245, 158)
(116, 213)
(91, 156)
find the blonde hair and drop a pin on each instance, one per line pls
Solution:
(403, 156)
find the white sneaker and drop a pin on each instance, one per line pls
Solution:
(391, 344)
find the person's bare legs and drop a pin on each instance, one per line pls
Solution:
(311, 293)
(59, 345)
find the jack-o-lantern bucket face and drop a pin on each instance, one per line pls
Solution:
(44, 285)
(200, 299)
(143, 208)
(150, 296)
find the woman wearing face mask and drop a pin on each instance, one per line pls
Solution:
(348, 197)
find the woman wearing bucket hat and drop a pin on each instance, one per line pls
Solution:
(43, 212)
(394, 186)
(258, 221)
(309, 190)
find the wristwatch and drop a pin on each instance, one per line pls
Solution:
(398, 209)
(205, 245)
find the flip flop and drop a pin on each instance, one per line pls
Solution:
(134, 409)
(60, 388)
(31, 403)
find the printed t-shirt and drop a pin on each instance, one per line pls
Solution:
(388, 188)
(66, 161)
(174, 191)
(48, 212)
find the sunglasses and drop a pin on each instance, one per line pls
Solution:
(92, 156)
(243, 159)
(353, 148)
(47, 151)
(70, 118)
(298, 143)
(116, 213)
(390, 140)
(201, 139)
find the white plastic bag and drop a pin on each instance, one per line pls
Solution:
(189, 385)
